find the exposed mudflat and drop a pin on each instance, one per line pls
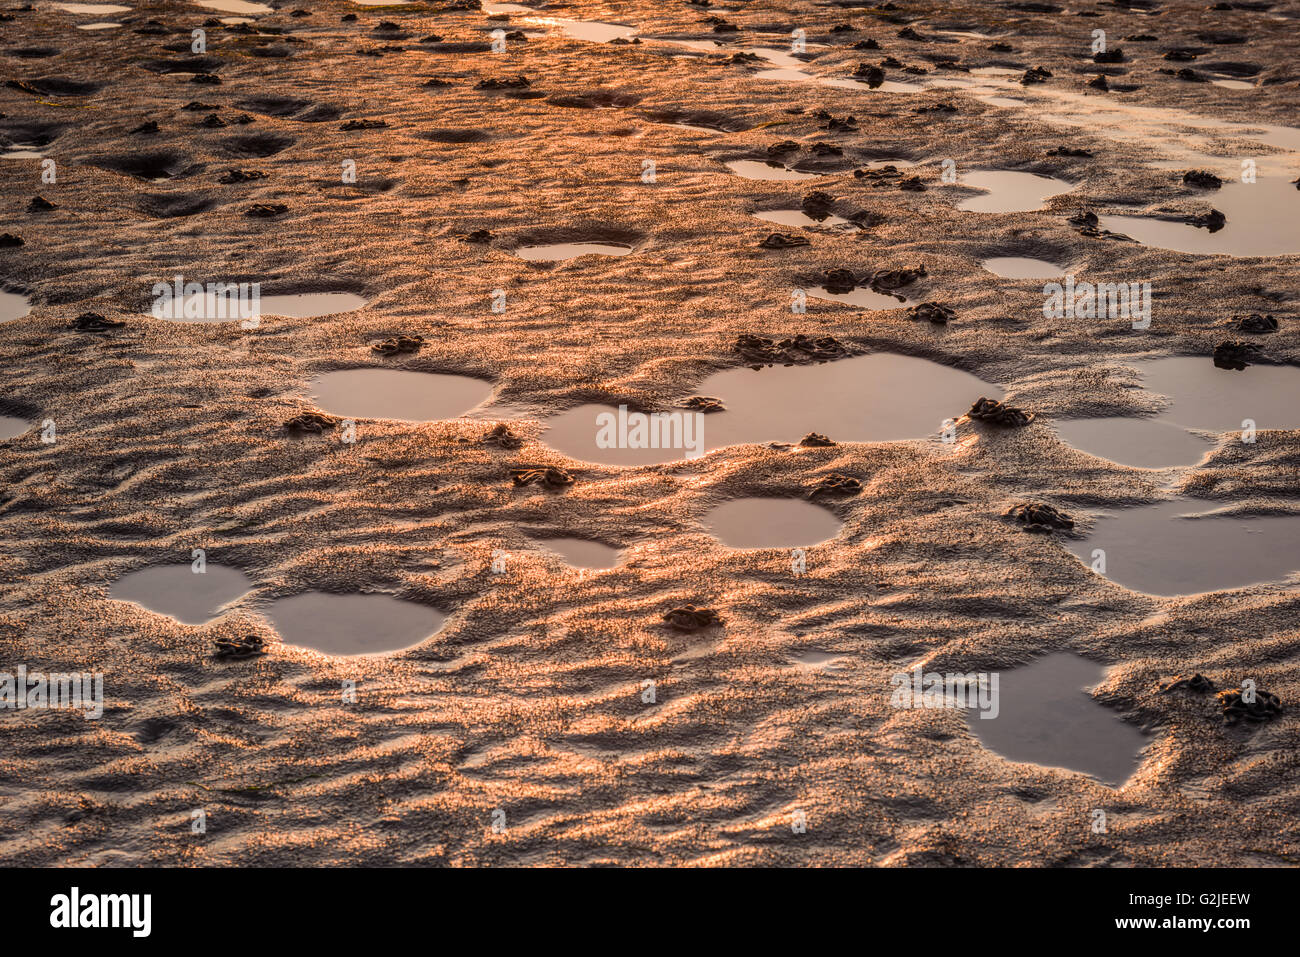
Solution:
(529, 696)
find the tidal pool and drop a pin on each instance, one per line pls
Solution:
(1173, 548)
(374, 393)
(13, 306)
(882, 397)
(1009, 191)
(1261, 220)
(1022, 267)
(1046, 716)
(103, 9)
(767, 170)
(801, 220)
(236, 6)
(12, 426)
(770, 523)
(1203, 397)
(192, 598)
(1141, 441)
(356, 624)
(863, 296)
(216, 306)
(582, 552)
(556, 252)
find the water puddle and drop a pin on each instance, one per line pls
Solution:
(770, 523)
(20, 151)
(1046, 717)
(103, 9)
(1202, 396)
(766, 170)
(399, 394)
(1009, 191)
(13, 306)
(1228, 84)
(352, 624)
(1261, 221)
(556, 252)
(11, 427)
(214, 306)
(308, 305)
(862, 297)
(882, 397)
(1022, 267)
(1220, 400)
(582, 552)
(1146, 443)
(1178, 133)
(236, 6)
(851, 83)
(814, 660)
(788, 68)
(192, 598)
(98, 26)
(589, 30)
(798, 218)
(1171, 548)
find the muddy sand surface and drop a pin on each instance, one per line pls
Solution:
(529, 705)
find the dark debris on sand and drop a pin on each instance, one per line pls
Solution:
(691, 618)
(992, 411)
(836, 484)
(799, 350)
(1040, 517)
(548, 475)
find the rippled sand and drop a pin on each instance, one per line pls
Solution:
(531, 699)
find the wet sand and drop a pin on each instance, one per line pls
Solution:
(530, 697)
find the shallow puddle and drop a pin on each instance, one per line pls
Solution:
(556, 252)
(11, 426)
(801, 220)
(1046, 716)
(238, 6)
(1221, 400)
(98, 26)
(1009, 191)
(20, 151)
(1022, 267)
(589, 30)
(308, 305)
(212, 306)
(103, 9)
(770, 523)
(1146, 443)
(1004, 101)
(399, 394)
(1261, 221)
(861, 296)
(767, 170)
(881, 397)
(582, 552)
(1159, 550)
(352, 624)
(851, 83)
(192, 598)
(814, 660)
(13, 306)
